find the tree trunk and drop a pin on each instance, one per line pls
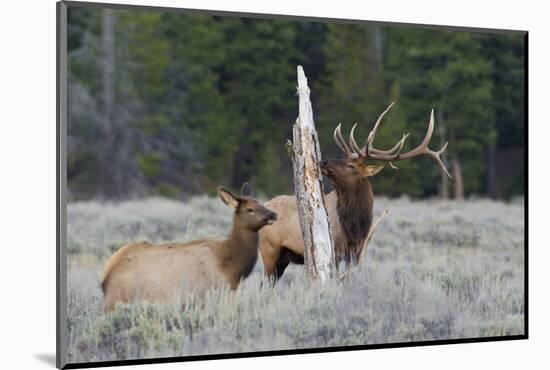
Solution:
(107, 162)
(444, 190)
(378, 47)
(457, 179)
(319, 250)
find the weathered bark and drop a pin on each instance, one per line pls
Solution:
(319, 249)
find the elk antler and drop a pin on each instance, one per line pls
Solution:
(394, 154)
(341, 143)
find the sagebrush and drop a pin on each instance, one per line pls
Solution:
(434, 270)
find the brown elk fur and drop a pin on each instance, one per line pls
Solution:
(147, 272)
(349, 208)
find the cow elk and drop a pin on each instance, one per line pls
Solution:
(349, 205)
(162, 273)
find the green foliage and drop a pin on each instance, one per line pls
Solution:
(447, 70)
(150, 164)
(147, 52)
(214, 99)
(508, 73)
(168, 190)
(269, 178)
(153, 124)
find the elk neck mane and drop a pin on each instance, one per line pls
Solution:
(354, 209)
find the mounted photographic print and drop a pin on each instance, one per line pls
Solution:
(235, 185)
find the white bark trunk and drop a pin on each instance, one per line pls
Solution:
(458, 182)
(319, 250)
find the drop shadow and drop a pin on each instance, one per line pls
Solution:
(47, 358)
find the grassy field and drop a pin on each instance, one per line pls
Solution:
(434, 270)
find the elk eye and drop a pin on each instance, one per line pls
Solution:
(250, 210)
(350, 166)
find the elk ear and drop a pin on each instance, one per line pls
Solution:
(373, 170)
(247, 190)
(228, 198)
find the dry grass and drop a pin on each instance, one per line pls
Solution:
(434, 270)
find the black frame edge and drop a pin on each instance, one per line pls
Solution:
(526, 182)
(58, 363)
(61, 76)
(223, 356)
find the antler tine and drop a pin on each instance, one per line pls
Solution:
(423, 146)
(353, 143)
(372, 134)
(340, 140)
(368, 151)
(437, 157)
(399, 146)
(423, 149)
(396, 148)
(361, 151)
(393, 154)
(428, 136)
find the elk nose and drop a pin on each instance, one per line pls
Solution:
(272, 217)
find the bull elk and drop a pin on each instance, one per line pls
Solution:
(349, 205)
(148, 272)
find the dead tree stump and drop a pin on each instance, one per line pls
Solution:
(319, 249)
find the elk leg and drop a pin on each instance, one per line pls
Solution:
(293, 257)
(270, 256)
(281, 265)
(286, 257)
